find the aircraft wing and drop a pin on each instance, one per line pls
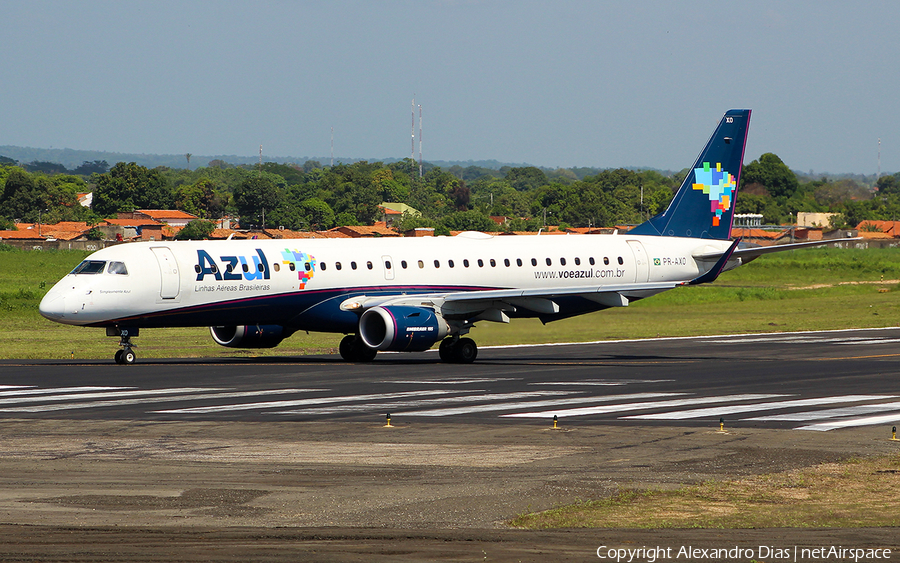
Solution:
(492, 304)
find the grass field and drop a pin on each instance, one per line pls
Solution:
(800, 290)
(852, 494)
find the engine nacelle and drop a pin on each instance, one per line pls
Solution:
(402, 329)
(249, 336)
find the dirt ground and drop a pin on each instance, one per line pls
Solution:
(244, 491)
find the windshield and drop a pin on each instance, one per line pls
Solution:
(117, 268)
(89, 267)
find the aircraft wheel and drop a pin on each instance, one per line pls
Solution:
(363, 353)
(118, 356)
(346, 347)
(446, 350)
(465, 351)
(128, 356)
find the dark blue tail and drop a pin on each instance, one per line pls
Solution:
(704, 204)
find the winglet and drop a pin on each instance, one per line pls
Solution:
(714, 272)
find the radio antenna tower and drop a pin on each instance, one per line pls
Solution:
(879, 162)
(332, 146)
(420, 140)
(412, 131)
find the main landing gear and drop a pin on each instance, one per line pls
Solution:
(126, 355)
(455, 350)
(353, 349)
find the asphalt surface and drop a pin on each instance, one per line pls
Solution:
(288, 458)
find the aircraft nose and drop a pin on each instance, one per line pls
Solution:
(53, 306)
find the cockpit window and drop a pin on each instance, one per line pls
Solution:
(90, 267)
(117, 268)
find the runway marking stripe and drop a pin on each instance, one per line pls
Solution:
(606, 409)
(80, 396)
(831, 413)
(450, 381)
(603, 382)
(33, 391)
(853, 422)
(152, 399)
(734, 409)
(312, 401)
(534, 404)
(422, 403)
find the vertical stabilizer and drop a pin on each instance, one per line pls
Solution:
(704, 204)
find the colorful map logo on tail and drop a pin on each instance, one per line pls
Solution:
(719, 185)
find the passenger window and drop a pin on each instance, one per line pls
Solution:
(337, 265)
(493, 263)
(562, 261)
(322, 265)
(506, 262)
(519, 262)
(437, 263)
(92, 267)
(292, 266)
(352, 265)
(387, 264)
(534, 261)
(307, 266)
(591, 260)
(403, 264)
(606, 261)
(369, 265)
(117, 268)
(421, 264)
(450, 263)
(480, 263)
(229, 267)
(245, 267)
(197, 268)
(466, 262)
(549, 262)
(621, 261)
(577, 261)
(277, 267)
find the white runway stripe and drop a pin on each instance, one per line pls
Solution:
(149, 399)
(735, 409)
(392, 406)
(103, 395)
(831, 413)
(604, 382)
(534, 404)
(853, 422)
(606, 409)
(313, 401)
(34, 391)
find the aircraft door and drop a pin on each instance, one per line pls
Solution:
(388, 267)
(641, 263)
(170, 285)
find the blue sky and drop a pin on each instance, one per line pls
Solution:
(564, 83)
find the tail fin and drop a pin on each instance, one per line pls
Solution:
(704, 204)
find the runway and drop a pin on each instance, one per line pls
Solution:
(819, 381)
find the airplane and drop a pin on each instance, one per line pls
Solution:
(408, 294)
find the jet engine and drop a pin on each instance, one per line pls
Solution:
(401, 328)
(249, 336)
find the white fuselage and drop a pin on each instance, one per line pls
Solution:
(301, 282)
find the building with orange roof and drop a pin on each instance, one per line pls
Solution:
(365, 231)
(171, 217)
(891, 228)
(131, 229)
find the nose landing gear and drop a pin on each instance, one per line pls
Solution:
(126, 355)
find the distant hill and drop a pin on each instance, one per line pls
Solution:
(72, 158)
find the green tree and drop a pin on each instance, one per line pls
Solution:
(197, 229)
(771, 172)
(129, 186)
(255, 197)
